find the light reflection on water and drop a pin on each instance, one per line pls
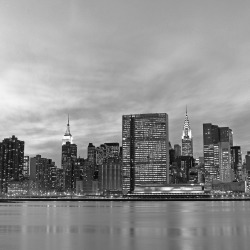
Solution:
(125, 225)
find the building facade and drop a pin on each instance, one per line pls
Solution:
(43, 173)
(187, 140)
(26, 166)
(236, 160)
(109, 176)
(69, 156)
(177, 150)
(145, 150)
(217, 143)
(11, 162)
(226, 142)
(92, 155)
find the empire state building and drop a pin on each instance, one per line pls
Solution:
(67, 136)
(187, 140)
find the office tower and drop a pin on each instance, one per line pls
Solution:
(92, 155)
(225, 144)
(43, 173)
(11, 162)
(26, 166)
(177, 150)
(217, 143)
(236, 160)
(145, 145)
(69, 155)
(67, 136)
(211, 151)
(187, 140)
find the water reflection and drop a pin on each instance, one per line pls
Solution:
(128, 225)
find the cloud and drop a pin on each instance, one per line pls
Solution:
(98, 62)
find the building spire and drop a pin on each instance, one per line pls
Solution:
(186, 110)
(67, 133)
(187, 140)
(186, 127)
(67, 136)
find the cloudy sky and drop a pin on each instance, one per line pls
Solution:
(98, 60)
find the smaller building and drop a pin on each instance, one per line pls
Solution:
(163, 189)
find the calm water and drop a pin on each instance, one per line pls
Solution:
(125, 225)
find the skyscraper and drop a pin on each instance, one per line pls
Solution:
(69, 155)
(226, 142)
(145, 145)
(43, 173)
(11, 162)
(211, 151)
(236, 159)
(92, 155)
(187, 140)
(217, 143)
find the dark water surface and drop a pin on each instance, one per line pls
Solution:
(125, 225)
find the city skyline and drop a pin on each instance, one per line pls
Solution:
(91, 61)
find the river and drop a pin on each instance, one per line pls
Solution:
(113, 225)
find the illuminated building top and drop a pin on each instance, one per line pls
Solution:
(67, 136)
(187, 140)
(187, 134)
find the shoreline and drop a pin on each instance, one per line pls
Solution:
(6, 200)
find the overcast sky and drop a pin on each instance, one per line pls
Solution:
(98, 60)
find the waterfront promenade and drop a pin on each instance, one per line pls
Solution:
(142, 197)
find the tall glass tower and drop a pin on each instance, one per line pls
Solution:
(145, 145)
(187, 140)
(217, 143)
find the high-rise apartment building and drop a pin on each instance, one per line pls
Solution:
(217, 143)
(145, 145)
(44, 173)
(187, 140)
(11, 162)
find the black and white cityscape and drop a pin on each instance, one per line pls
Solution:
(124, 125)
(145, 164)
